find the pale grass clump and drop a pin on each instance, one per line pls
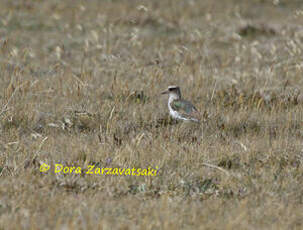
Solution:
(81, 87)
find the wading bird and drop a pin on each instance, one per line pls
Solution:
(178, 108)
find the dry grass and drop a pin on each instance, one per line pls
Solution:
(80, 84)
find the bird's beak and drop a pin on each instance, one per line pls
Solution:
(164, 92)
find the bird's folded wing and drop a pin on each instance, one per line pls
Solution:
(185, 109)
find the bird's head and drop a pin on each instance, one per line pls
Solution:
(174, 91)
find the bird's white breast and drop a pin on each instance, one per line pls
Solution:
(175, 113)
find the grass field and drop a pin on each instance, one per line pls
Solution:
(80, 85)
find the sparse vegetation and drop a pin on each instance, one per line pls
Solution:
(80, 85)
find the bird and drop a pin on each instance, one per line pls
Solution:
(179, 108)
